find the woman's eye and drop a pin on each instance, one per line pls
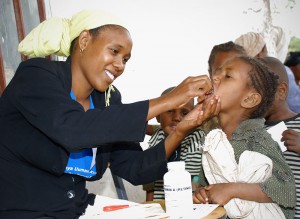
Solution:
(227, 76)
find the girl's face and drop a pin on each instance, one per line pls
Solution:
(220, 59)
(169, 120)
(105, 57)
(230, 83)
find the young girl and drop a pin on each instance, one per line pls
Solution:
(247, 90)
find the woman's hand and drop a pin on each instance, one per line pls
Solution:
(201, 113)
(191, 121)
(188, 89)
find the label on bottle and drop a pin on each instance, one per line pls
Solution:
(178, 200)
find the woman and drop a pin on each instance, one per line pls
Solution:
(55, 132)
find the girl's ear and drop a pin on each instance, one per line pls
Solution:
(251, 100)
(83, 39)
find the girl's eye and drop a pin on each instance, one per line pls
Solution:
(227, 76)
(114, 51)
(125, 61)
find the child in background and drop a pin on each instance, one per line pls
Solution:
(280, 111)
(220, 53)
(247, 89)
(188, 151)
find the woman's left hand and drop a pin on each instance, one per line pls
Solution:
(201, 113)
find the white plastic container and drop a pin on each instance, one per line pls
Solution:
(178, 191)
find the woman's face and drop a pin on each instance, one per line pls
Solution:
(105, 57)
(230, 83)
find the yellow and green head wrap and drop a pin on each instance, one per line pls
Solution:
(54, 35)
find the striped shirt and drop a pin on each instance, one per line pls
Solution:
(189, 151)
(292, 158)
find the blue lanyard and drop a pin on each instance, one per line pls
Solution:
(91, 100)
(79, 163)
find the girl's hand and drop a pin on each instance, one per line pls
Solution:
(220, 193)
(200, 196)
(291, 140)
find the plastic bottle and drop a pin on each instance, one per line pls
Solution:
(178, 191)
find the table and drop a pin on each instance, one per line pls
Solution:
(218, 213)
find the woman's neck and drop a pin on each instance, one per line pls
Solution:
(82, 93)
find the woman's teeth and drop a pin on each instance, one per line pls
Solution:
(110, 75)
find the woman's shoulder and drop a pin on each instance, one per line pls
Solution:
(41, 63)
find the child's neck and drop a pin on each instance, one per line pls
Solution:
(282, 112)
(229, 124)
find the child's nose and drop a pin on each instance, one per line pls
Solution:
(177, 116)
(216, 79)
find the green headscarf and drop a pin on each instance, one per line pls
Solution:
(55, 35)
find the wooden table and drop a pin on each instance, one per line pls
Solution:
(218, 213)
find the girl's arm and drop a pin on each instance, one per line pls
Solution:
(222, 193)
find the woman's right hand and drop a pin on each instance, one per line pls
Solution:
(191, 87)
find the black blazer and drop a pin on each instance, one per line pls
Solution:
(40, 125)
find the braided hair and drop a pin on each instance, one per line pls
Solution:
(224, 47)
(264, 81)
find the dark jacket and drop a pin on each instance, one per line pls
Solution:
(40, 125)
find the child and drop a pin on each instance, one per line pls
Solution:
(220, 53)
(280, 111)
(188, 151)
(247, 90)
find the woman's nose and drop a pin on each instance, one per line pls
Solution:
(119, 65)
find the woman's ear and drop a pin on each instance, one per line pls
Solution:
(251, 100)
(83, 39)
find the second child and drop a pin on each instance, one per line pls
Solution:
(188, 151)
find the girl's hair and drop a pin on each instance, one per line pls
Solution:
(264, 81)
(224, 47)
(96, 32)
